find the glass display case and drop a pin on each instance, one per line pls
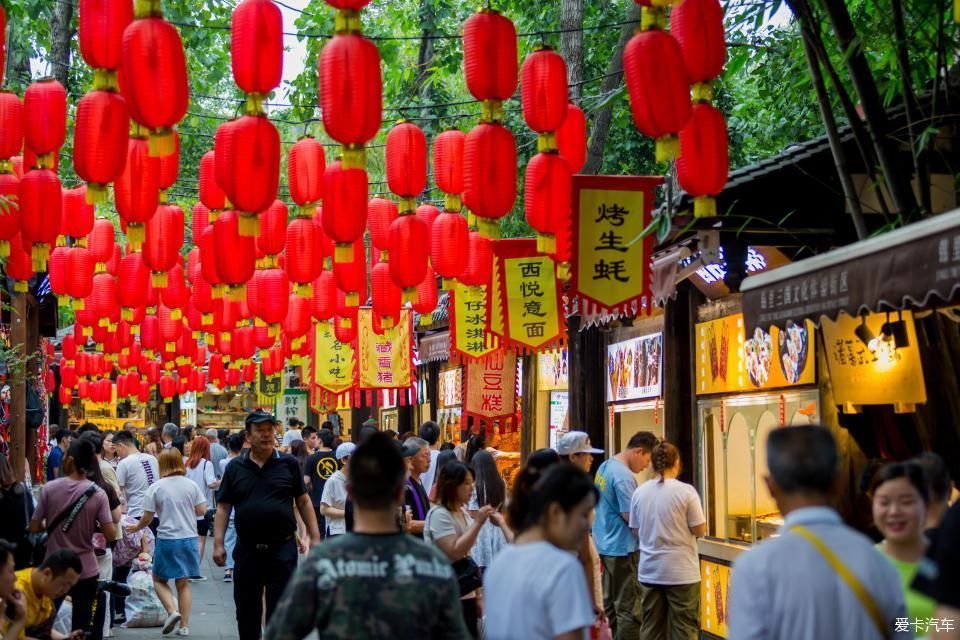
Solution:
(632, 418)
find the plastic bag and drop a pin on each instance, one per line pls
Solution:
(63, 623)
(142, 607)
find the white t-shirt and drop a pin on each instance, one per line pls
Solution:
(174, 499)
(335, 495)
(663, 514)
(290, 436)
(427, 478)
(536, 592)
(132, 478)
(203, 475)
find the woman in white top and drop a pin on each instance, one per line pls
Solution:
(200, 470)
(177, 501)
(536, 588)
(668, 517)
(450, 527)
(489, 489)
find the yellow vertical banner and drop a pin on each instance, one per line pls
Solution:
(268, 388)
(471, 334)
(334, 361)
(531, 300)
(385, 359)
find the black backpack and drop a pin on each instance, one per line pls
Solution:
(34, 407)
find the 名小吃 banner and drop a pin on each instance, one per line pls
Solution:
(334, 362)
(385, 359)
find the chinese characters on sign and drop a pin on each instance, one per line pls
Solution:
(294, 405)
(385, 360)
(810, 296)
(948, 259)
(470, 315)
(530, 283)
(334, 362)
(491, 387)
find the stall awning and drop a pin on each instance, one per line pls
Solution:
(912, 267)
(435, 347)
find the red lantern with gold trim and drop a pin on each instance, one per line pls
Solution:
(572, 138)
(449, 246)
(211, 193)
(304, 254)
(256, 46)
(80, 270)
(273, 288)
(351, 89)
(703, 163)
(490, 56)
(137, 190)
(344, 215)
(169, 166)
(41, 204)
(247, 164)
(78, 214)
(101, 241)
(164, 237)
(177, 293)
(10, 221)
(427, 298)
(698, 27)
(429, 214)
(386, 296)
(273, 228)
(479, 262)
(448, 161)
(380, 215)
(543, 90)
(351, 277)
(298, 319)
(305, 167)
(490, 172)
(101, 27)
(235, 254)
(406, 163)
(409, 246)
(547, 193)
(11, 124)
(45, 112)
(133, 279)
(324, 296)
(199, 221)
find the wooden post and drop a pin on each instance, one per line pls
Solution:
(680, 401)
(528, 422)
(587, 352)
(18, 388)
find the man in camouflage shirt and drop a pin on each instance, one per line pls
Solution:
(375, 582)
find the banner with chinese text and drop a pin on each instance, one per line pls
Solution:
(386, 359)
(532, 318)
(470, 317)
(492, 387)
(334, 370)
(268, 388)
(611, 261)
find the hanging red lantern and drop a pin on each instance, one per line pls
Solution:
(324, 296)
(114, 260)
(410, 246)
(547, 194)
(273, 228)
(150, 333)
(101, 27)
(78, 214)
(11, 127)
(202, 296)
(168, 388)
(659, 88)
(572, 138)
(479, 261)
(406, 163)
(256, 49)
(351, 277)
(137, 190)
(427, 298)
(45, 125)
(698, 27)
(176, 294)
(304, 254)
(143, 392)
(448, 161)
(65, 394)
(170, 327)
(249, 371)
(272, 287)
(351, 99)
(68, 347)
(490, 173)
(345, 210)
(41, 204)
(247, 164)
(234, 253)
(199, 221)
(80, 270)
(101, 241)
(153, 79)
(348, 5)
(57, 270)
(543, 90)
(380, 215)
(133, 278)
(305, 167)
(253, 293)
(234, 377)
(243, 346)
(428, 213)
(164, 237)
(169, 167)
(449, 246)
(10, 220)
(103, 299)
(490, 56)
(68, 375)
(211, 193)
(703, 163)
(208, 261)
(298, 320)
(386, 296)
(345, 329)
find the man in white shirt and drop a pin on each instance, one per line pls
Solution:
(292, 434)
(804, 584)
(135, 472)
(430, 431)
(218, 452)
(334, 500)
(167, 435)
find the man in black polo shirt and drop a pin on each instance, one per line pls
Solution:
(261, 486)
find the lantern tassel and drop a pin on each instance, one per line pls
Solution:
(447, 284)
(563, 271)
(704, 207)
(667, 148)
(452, 202)
(4, 248)
(78, 304)
(343, 252)
(217, 293)
(352, 298)
(703, 92)
(353, 156)
(547, 142)
(238, 292)
(20, 286)
(488, 228)
(40, 253)
(407, 206)
(161, 143)
(136, 234)
(426, 320)
(176, 314)
(546, 243)
(305, 290)
(159, 280)
(96, 193)
(248, 224)
(411, 295)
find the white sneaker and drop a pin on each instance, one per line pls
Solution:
(183, 631)
(171, 622)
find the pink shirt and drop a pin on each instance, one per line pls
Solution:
(54, 499)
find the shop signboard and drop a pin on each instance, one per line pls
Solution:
(491, 387)
(450, 387)
(334, 362)
(385, 359)
(634, 368)
(878, 371)
(531, 309)
(727, 361)
(714, 597)
(552, 371)
(469, 317)
(295, 405)
(559, 406)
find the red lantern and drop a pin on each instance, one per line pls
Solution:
(298, 319)
(352, 5)
(490, 56)
(100, 139)
(703, 163)
(208, 260)
(427, 297)
(698, 27)
(104, 297)
(448, 161)
(249, 371)
(248, 166)
(380, 215)
(272, 287)
(10, 220)
(305, 167)
(659, 88)
(243, 346)
(406, 163)
(543, 90)
(153, 79)
(490, 172)
(164, 237)
(479, 262)
(345, 211)
(80, 270)
(410, 247)
(176, 294)
(168, 388)
(11, 124)
(256, 46)
(351, 99)
(170, 327)
(429, 214)
(133, 279)
(547, 195)
(351, 276)
(233, 377)
(234, 253)
(572, 138)
(199, 221)
(449, 246)
(273, 228)
(137, 190)
(304, 254)
(68, 347)
(211, 193)
(143, 393)
(324, 296)
(41, 204)
(169, 166)
(101, 240)
(45, 111)
(78, 214)
(386, 296)
(102, 23)
(345, 329)
(57, 270)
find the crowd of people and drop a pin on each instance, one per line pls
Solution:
(406, 537)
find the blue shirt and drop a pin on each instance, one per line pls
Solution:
(616, 484)
(54, 461)
(784, 589)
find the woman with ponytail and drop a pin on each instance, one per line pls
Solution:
(668, 518)
(536, 589)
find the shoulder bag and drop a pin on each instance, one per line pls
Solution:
(38, 541)
(465, 569)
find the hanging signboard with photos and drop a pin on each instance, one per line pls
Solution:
(634, 368)
(611, 261)
(552, 371)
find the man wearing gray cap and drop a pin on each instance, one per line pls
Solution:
(218, 452)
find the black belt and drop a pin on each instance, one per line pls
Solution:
(263, 547)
